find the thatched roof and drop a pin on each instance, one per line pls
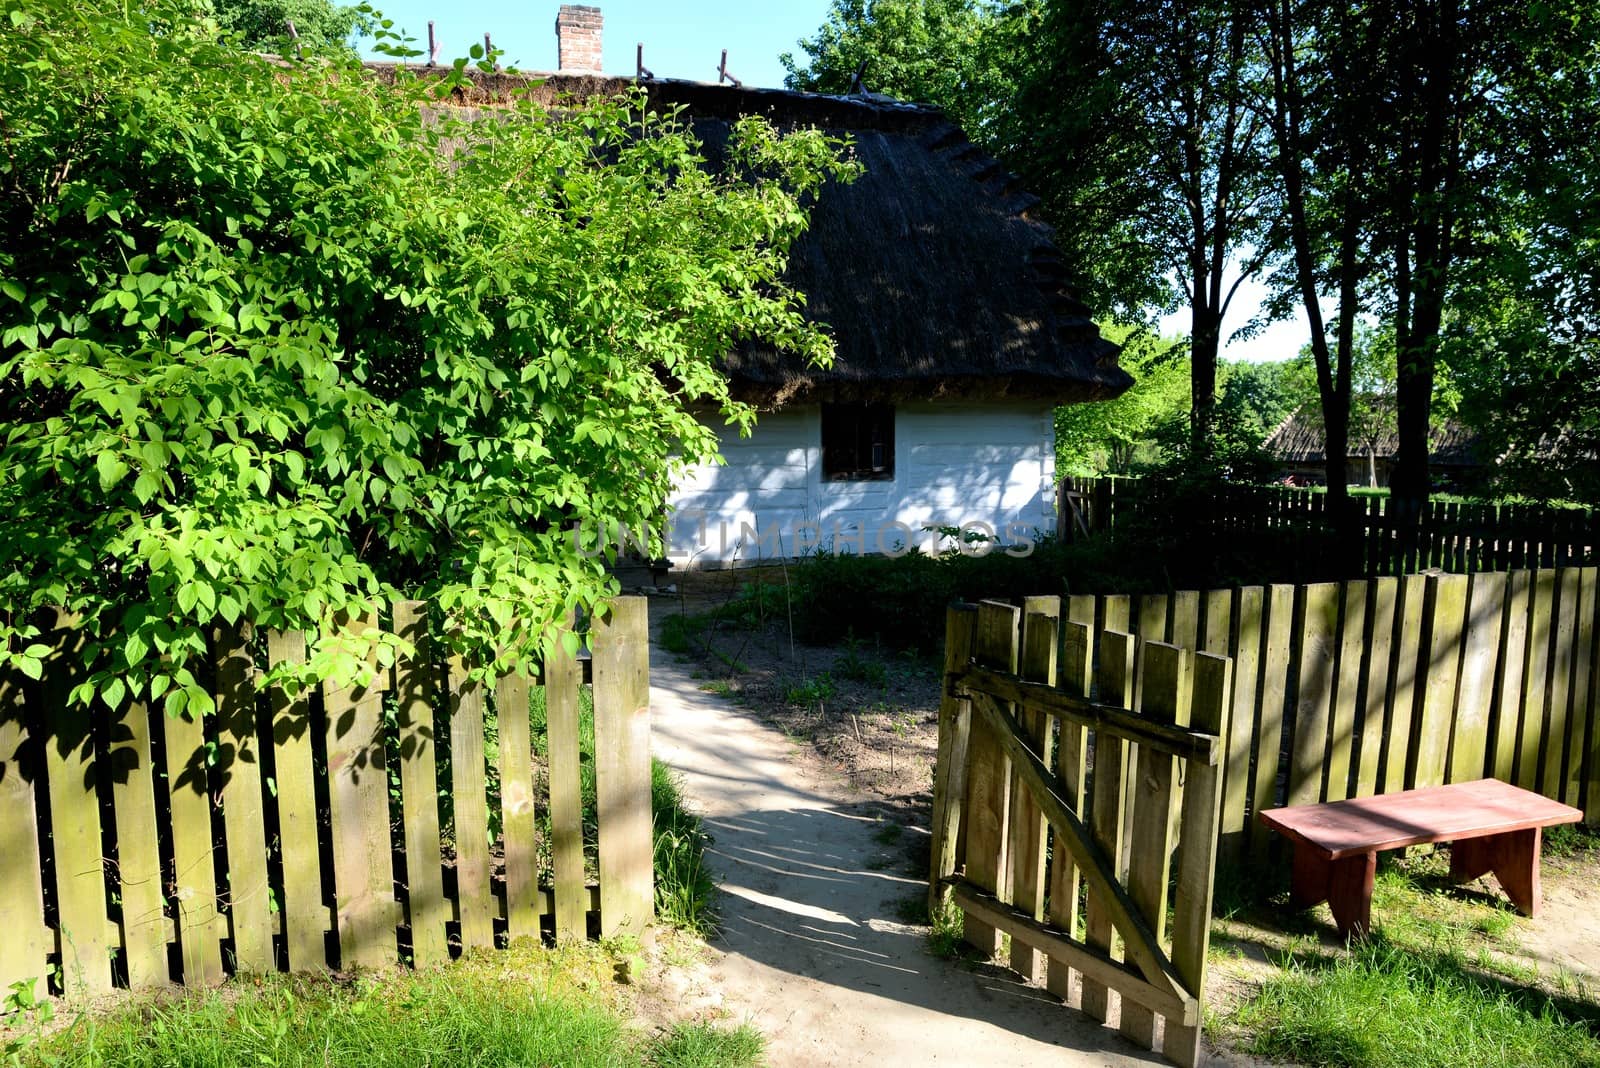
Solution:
(931, 270)
(1300, 439)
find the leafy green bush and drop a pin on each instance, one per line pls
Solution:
(278, 338)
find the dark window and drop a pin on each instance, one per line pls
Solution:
(857, 442)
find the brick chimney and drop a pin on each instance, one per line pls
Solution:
(578, 39)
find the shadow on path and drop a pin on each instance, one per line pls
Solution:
(813, 952)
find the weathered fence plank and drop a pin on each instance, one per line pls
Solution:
(145, 928)
(1408, 659)
(1509, 677)
(1071, 753)
(195, 876)
(1444, 614)
(1197, 852)
(1037, 663)
(470, 805)
(249, 894)
(1167, 688)
(1581, 713)
(518, 827)
(27, 940)
(1234, 821)
(989, 779)
(1115, 682)
(70, 773)
(1470, 742)
(1279, 632)
(622, 767)
(1536, 679)
(561, 684)
(415, 691)
(1347, 673)
(305, 914)
(358, 820)
(1375, 694)
(1318, 624)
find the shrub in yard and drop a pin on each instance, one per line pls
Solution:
(279, 337)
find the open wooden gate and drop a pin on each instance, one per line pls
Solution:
(1056, 816)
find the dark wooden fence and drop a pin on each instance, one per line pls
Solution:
(340, 828)
(1275, 520)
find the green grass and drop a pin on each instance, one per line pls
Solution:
(684, 890)
(520, 1007)
(1388, 1007)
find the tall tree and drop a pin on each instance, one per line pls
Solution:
(1148, 102)
(262, 25)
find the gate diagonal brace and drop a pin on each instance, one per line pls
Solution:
(1140, 940)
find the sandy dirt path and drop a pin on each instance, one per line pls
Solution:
(810, 951)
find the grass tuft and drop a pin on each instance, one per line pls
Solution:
(1387, 1007)
(517, 1007)
(703, 1045)
(684, 889)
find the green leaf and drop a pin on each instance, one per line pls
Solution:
(111, 469)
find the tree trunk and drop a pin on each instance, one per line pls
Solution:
(1205, 340)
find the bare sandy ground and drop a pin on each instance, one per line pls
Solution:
(811, 952)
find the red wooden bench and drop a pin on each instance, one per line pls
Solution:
(1495, 827)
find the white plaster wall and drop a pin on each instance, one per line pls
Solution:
(954, 463)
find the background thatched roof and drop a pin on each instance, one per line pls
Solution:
(931, 270)
(1300, 439)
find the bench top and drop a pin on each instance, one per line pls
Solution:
(1412, 817)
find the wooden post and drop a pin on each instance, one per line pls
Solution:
(989, 780)
(415, 691)
(1040, 619)
(1167, 689)
(1110, 768)
(950, 764)
(1197, 853)
(305, 918)
(622, 767)
(239, 761)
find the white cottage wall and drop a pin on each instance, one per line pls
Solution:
(988, 464)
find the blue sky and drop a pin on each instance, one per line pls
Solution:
(684, 39)
(681, 40)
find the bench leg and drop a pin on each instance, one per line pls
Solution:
(1514, 859)
(1345, 884)
(1309, 882)
(1350, 893)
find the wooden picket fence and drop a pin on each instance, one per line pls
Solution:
(1044, 797)
(1461, 537)
(1365, 687)
(296, 832)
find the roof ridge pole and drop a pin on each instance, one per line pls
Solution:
(294, 35)
(642, 72)
(433, 46)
